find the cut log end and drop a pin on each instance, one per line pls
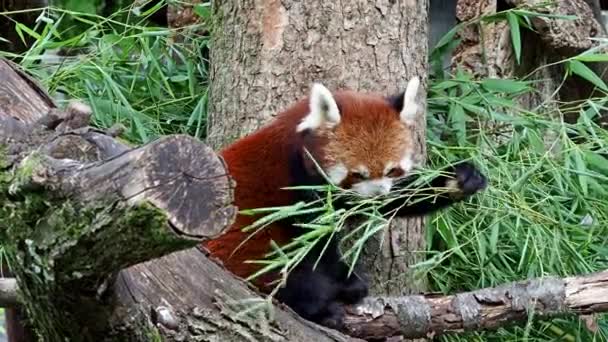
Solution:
(189, 181)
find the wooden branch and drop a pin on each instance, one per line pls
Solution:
(20, 95)
(489, 308)
(193, 298)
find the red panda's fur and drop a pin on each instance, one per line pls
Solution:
(259, 165)
(361, 142)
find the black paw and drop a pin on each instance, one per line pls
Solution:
(334, 316)
(468, 179)
(354, 290)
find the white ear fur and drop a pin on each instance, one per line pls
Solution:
(410, 107)
(323, 109)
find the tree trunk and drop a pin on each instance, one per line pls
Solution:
(266, 54)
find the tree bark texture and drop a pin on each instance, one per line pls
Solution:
(70, 226)
(266, 54)
(20, 94)
(486, 49)
(489, 308)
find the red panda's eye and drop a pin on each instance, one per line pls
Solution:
(358, 176)
(394, 172)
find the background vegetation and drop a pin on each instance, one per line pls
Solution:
(544, 213)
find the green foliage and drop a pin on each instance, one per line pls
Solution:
(515, 17)
(319, 218)
(545, 211)
(128, 70)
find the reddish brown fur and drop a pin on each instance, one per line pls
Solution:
(258, 164)
(370, 131)
(370, 134)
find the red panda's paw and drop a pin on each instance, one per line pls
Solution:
(334, 316)
(467, 180)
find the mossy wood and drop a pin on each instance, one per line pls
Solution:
(90, 225)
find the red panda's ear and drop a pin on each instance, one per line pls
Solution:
(405, 103)
(323, 110)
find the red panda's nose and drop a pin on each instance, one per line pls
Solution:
(373, 187)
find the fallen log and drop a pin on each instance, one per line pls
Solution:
(489, 308)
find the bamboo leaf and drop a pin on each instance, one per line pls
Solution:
(596, 160)
(599, 57)
(448, 37)
(583, 71)
(504, 85)
(515, 35)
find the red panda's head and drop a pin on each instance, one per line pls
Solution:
(361, 141)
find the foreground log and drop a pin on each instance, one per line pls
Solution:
(80, 211)
(426, 316)
(72, 224)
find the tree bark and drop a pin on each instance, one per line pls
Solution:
(486, 49)
(69, 225)
(267, 54)
(489, 308)
(67, 280)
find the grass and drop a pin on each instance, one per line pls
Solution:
(129, 71)
(544, 213)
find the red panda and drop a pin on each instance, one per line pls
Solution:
(362, 142)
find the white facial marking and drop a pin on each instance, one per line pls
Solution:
(410, 107)
(407, 164)
(337, 173)
(323, 109)
(374, 187)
